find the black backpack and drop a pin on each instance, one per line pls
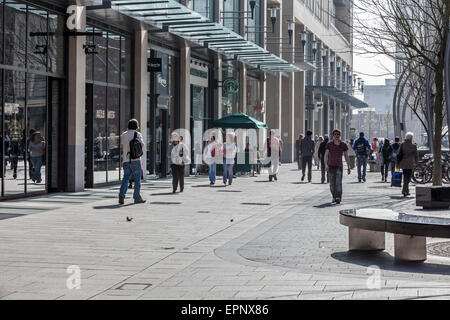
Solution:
(135, 148)
(361, 147)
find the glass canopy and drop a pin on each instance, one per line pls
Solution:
(337, 94)
(171, 16)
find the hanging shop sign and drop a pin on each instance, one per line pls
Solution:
(230, 86)
(154, 65)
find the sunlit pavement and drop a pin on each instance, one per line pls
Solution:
(252, 240)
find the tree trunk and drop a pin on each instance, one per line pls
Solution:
(438, 118)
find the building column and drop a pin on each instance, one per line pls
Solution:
(185, 93)
(185, 88)
(299, 88)
(338, 116)
(76, 81)
(242, 88)
(274, 86)
(320, 122)
(141, 85)
(287, 94)
(218, 90)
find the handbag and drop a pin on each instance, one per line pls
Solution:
(396, 180)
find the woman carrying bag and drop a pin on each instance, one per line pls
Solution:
(407, 159)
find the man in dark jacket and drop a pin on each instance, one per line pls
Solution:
(321, 154)
(363, 149)
(307, 149)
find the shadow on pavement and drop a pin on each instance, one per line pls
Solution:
(325, 205)
(400, 197)
(385, 261)
(163, 194)
(262, 181)
(113, 206)
(202, 186)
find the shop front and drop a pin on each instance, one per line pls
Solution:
(201, 104)
(255, 106)
(32, 69)
(162, 109)
(108, 104)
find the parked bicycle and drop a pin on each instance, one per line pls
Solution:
(423, 172)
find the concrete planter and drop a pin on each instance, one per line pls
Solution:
(374, 167)
(433, 197)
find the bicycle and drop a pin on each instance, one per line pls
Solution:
(423, 172)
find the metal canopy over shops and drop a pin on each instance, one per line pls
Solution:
(171, 16)
(337, 94)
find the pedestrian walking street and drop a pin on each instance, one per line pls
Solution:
(253, 240)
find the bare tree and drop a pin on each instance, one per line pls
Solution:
(414, 33)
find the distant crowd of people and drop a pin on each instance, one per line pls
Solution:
(320, 152)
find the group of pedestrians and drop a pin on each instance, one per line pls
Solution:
(325, 153)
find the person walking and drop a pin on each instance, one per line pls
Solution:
(210, 154)
(351, 153)
(333, 164)
(298, 150)
(315, 159)
(307, 149)
(179, 157)
(362, 148)
(36, 149)
(316, 152)
(130, 140)
(229, 153)
(273, 149)
(394, 153)
(385, 154)
(407, 159)
(321, 154)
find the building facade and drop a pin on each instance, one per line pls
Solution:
(77, 71)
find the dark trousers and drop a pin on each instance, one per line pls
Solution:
(324, 173)
(299, 160)
(307, 160)
(385, 168)
(335, 173)
(407, 173)
(177, 176)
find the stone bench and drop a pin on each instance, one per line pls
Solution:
(367, 229)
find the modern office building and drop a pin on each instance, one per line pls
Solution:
(380, 97)
(77, 71)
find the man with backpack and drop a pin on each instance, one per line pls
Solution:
(363, 149)
(133, 149)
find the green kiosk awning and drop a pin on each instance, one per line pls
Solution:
(239, 121)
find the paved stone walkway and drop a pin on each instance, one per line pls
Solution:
(253, 240)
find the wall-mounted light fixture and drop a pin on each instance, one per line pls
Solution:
(304, 39)
(291, 26)
(324, 52)
(314, 48)
(273, 16)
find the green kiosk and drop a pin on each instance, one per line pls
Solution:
(239, 121)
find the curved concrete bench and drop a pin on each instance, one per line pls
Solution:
(367, 229)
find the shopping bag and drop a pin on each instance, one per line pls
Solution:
(396, 180)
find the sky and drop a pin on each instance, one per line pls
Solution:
(373, 69)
